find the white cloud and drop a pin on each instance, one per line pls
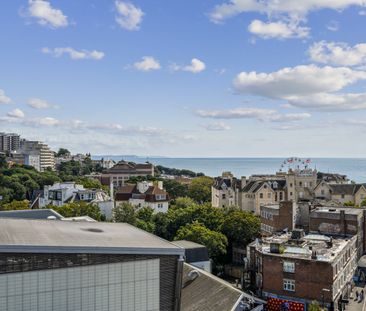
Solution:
(148, 63)
(253, 113)
(331, 102)
(195, 66)
(3, 98)
(362, 13)
(296, 81)
(289, 8)
(218, 126)
(74, 54)
(333, 26)
(280, 30)
(338, 53)
(129, 16)
(38, 103)
(16, 113)
(280, 13)
(46, 14)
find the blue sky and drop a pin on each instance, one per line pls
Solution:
(186, 78)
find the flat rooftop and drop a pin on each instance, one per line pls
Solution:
(302, 249)
(337, 210)
(46, 236)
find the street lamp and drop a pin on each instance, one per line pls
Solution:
(324, 290)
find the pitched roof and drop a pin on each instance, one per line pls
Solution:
(129, 167)
(345, 189)
(207, 292)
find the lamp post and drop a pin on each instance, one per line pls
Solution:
(324, 290)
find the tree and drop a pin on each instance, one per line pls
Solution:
(314, 306)
(349, 203)
(3, 163)
(62, 152)
(125, 212)
(200, 189)
(183, 202)
(80, 208)
(215, 242)
(15, 205)
(89, 183)
(363, 203)
(175, 188)
(240, 227)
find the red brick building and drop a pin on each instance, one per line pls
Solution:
(300, 269)
(277, 217)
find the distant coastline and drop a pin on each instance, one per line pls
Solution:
(354, 168)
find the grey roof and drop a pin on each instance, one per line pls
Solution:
(30, 214)
(207, 292)
(346, 189)
(194, 252)
(254, 186)
(44, 236)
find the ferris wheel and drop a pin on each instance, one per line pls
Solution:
(295, 163)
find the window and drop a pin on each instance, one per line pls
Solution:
(289, 266)
(269, 195)
(300, 183)
(343, 196)
(322, 192)
(291, 185)
(223, 196)
(289, 285)
(281, 196)
(261, 195)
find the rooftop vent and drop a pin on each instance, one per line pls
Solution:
(51, 218)
(95, 230)
(297, 234)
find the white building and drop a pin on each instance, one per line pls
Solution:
(68, 192)
(35, 148)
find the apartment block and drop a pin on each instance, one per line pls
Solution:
(9, 142)
(296, 270)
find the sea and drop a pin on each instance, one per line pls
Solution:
(355, 168)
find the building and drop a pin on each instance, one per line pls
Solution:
(32, 150)
(342, 193)
(278, 217)
(59, 194)
(32, 214)
(332, 178)
(66, 265)
(195, 254)
(144, 194)
(298, 270)
(104, 163)
(9, 142)
(225, 191)
(123, 171)
(262, 192)
(344, 222)
(203, 291)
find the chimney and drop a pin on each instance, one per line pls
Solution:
(343, 222)
(313, 255)
(160, 185)
(243, 181)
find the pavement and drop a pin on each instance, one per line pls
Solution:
(354, 304)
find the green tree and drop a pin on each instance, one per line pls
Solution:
(183, 202)
(314, 306)
(89, 183)
(79, 208)
(240, 227)
(125, 212)
(175, 188)
(63, 152)
(349, 203)
(200, 189)
(363, 203)
(3, 163)
(215, 242)
(15, 205)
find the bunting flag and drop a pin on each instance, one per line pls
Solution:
(276, 304)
